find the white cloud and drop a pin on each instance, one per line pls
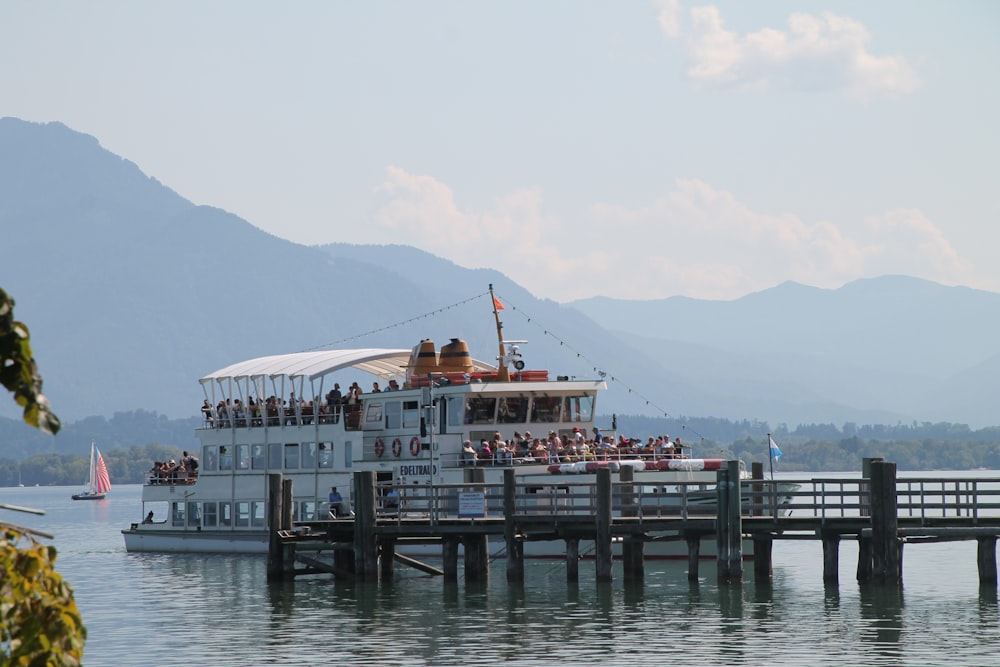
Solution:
(826, 52)
(668, 15)
(694, 240)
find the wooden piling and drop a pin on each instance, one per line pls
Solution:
(762, 544)
(626, 492)
(572, 560)
(286, 504)
(864, 558)
(694, 555)
(449, 558)
(886, 551)
(288, 550)
(515, 552)
(831, 557)
(864, 488)
(275, 548)
(729, 524)
(633, 558)
(477, 558)
(632, 548)
(986, 559)
(386, 559)
(343, 562)
(602, 518)
(365, 546)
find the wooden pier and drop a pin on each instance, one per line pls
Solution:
(878, 510)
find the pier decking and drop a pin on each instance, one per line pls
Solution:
(878, 510)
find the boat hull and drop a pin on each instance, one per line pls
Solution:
(139, 540)
(89, 496)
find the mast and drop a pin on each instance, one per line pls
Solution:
(503, 375)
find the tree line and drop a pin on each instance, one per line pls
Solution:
(131, 441)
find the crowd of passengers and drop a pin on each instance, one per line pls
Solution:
(277, 411)
(173, 472)
(569, 448)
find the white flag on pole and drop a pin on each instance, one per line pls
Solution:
(775, 450)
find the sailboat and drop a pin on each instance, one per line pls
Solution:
(99, 483)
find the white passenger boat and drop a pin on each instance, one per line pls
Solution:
(412, 432)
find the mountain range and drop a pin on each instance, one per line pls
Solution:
(132, 293)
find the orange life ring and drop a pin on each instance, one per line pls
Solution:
(379, 447)
(414, 446)
(397, 448)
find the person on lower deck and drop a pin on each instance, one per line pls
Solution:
(335, 502)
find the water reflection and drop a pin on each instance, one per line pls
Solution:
(882, 607)
(219, 610)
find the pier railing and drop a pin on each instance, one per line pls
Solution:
(924, 498)
(919, 498)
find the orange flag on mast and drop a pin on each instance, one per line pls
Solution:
(496, 302)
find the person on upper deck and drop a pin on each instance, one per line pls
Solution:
(468, 454)
(333, 401)
(206, 412)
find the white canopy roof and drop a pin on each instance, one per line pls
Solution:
(313, 365)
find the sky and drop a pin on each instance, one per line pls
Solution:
(630, 149)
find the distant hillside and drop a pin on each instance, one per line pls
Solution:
(877, 348)
(132, 293)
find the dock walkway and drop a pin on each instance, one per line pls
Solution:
(878, 510)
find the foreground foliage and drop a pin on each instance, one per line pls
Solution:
(39, 621)
(19, 372)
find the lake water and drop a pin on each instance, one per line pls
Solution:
(150, 609)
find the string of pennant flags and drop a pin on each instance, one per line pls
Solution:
(401, 323)
(499, 304)
(597, 368)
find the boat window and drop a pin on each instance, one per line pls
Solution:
(579, 408)
(455, 405)
(225, 514)
(243, 513)
(177, 514)
(225, 458)
(258, 460)
(274, 454)
(291, 456)
(393, 414)
(411, 414)
(307, 510)
(373, 413)
(209, 516)
(480, 409)
(211, 458)
(545, 409)
(326, 455)
(513, 410)
(243, 457)
(308, 455)
(257, 510)
(192, 513)
(348, 447)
